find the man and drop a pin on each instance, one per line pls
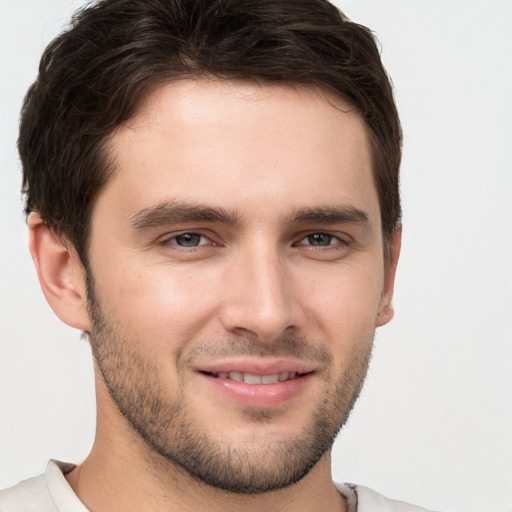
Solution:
(212, 198)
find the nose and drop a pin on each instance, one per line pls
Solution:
(259, 300)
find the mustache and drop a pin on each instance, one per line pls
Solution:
(295, 347)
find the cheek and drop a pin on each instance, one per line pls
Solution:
(156, 303)
(347, 300)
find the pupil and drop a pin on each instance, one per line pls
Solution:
(320, 239)
(188, 240)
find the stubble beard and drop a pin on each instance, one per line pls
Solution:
(171, 432)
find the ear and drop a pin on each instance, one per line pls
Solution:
(386, 311)
(61, 274)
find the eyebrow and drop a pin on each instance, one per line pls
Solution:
(329, 215)
(175, 212)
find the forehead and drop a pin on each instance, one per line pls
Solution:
(242, 144)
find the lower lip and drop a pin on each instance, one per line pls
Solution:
(259, 395)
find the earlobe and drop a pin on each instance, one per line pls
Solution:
(60, 273)
(386, 310)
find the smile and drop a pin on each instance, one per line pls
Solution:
(249, 378)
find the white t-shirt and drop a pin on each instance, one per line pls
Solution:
(51, 492)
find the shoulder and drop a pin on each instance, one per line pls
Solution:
(28, 496)
(46, 493)
(369, 500)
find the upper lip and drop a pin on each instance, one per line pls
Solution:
(257, 366)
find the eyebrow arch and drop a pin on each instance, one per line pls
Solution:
(175, 212)
(330, 215)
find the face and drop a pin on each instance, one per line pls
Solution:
(237, 278)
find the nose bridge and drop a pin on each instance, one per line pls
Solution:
(259, 296)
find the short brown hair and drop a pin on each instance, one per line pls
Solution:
(94, 76)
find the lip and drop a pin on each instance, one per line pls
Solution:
(257, 366)
(258, 395)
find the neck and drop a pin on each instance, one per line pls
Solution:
(122, 473)
(114, 485)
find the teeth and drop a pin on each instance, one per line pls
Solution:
(250, 378)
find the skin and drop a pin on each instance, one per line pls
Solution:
(256, 288)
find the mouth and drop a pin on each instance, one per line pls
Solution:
(256, 383)
(251, 378)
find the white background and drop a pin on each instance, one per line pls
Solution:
(434, 423)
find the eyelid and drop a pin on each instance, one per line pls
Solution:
(342, 238)
(167, 238)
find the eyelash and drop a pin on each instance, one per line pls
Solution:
(331, 236)
(168, 240)
(339, 242)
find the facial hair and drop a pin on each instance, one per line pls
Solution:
(163, 418)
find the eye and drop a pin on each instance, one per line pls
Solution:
(320, 240)
(188, 240)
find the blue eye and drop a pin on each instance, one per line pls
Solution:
(320, 240)
(189, 240)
